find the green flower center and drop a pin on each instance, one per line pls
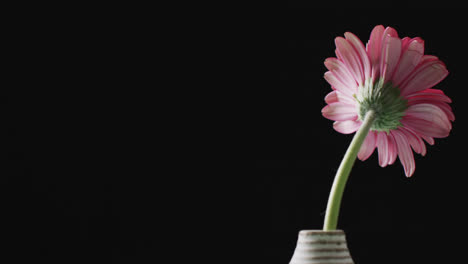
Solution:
(385, 100)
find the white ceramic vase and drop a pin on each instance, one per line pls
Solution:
(321, 247)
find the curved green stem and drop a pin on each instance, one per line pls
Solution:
(336, 193)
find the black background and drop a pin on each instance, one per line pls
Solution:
(101, 164)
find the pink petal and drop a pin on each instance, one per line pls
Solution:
(425, 127)
(430, 94)
(429, 112)
(404, 152)
(361, 51)
(331, 97)
(387, 149)
(424, 60)
(435, 97)
(447, 110)
(382, 145)
(392, 149)
(340, 112)
(342, 73)
(410, 58)
(414, 140)
(335, 65)
(391, 51)
(390, 32)
(428, 120)
(442, 105)
(338, 85)
(368, 146)
(426, 75)
(405, 43)
(433, 91)
(349, 56)
(347, 127)
(374, 48)
(336, 96)
(429, 140)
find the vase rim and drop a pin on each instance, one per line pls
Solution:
(319, 231)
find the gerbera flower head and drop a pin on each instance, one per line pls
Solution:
(392, 77)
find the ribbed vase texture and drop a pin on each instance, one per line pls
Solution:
(321, 247)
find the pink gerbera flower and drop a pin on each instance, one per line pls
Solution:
(393, 78)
